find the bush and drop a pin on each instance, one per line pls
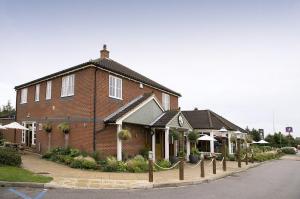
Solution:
(74, 152)
(76, 164)
(137, 164)
(83, 164)
(145, 152)
(231, 157)
(288, 150)
(10, 157)
(47, 155)
(111, 164)
(164, 163)
(261, 157)
(61, 151)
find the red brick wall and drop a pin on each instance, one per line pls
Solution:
(78, 111)
(8, 134)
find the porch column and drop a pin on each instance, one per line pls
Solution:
(175, 147)
(188, 147)
(167, 143)
(119, 143)
(229, 143)
(212, 144)
(153, 146)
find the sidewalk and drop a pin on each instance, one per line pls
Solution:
(75, 178)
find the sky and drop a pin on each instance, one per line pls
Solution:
(240, 59)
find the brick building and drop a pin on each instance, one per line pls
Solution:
(98, 99)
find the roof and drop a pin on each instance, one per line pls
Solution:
(165, 118)
(110, 65)
(207, 119)
(112, 118)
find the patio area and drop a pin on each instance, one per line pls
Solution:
(75, 178)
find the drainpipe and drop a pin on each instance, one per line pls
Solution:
(94, 105)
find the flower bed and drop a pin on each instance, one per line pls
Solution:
(82, 160)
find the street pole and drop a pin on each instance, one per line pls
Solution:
(224, 153)
(150, 166)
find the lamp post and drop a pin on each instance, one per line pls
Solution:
(238, 136)
(224, 138)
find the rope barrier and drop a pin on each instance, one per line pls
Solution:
(222, 161)
(210, 162)
(163, 168)
(192, 167)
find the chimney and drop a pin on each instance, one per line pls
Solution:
(104, 53)
(196, 109)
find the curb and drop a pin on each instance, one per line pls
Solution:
(148, 186)
(21, 184)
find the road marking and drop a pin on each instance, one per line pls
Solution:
(24, 196)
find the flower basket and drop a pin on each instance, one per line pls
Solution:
(64, 127)
(47, 127)
(124, 134)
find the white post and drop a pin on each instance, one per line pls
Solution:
(229, 143)
(153, 146)
(167, 154)
(119, 143)
(188, 147)
(212, 144)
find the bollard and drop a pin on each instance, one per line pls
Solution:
(252, 158)
(150, 166)
(239, 152)
(246, 156)
(214, 165)
(181, 169)
(202, 168)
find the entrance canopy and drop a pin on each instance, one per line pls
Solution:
(15, 125)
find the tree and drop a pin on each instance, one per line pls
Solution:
(7, 110)
(254, 133)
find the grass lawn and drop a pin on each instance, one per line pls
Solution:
(16, 174)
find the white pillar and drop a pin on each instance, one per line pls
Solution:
(212, 144)
(229, 144)
(153, 146)
(167, 154)
(188, 148)
(119, 143)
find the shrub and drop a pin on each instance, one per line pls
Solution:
(193, 136)
(231, 157)
(47, 155)
(88, 164)
(96, 155)
(74, 152)
(219, 157)
(260, 157)
(145, 152)
(195, 151)
(67, 160)
(137, 164)
(174, 135)
(111, 164)
(164, 163)
(10, 157)
(61, 151)
(288, 150)
(76, 163)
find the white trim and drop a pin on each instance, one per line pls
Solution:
(119, 143)
(153, 146)
(23, 136)
(152, 97)
(167, 153)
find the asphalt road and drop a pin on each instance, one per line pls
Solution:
(274, 180)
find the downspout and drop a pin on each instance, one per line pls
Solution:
(94, 105)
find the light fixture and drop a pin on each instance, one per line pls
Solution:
(238, 134)
(223, 132)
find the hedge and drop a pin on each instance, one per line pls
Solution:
(10, 157)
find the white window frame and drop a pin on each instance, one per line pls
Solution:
(67, 85)
(113, 90)
(33, 134)
(37, 92)
(23, 134)
(166, 101)
(24, 95)
(48, 90)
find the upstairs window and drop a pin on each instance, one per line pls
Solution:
(67, 86)
(48, 90)
(37, 93)
(115, 87)
(24, 92)
(166, 101)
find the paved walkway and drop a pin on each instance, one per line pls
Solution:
(75, 178)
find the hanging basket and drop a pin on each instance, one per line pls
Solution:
(47, 127)
(124, 134)
(64, 127)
